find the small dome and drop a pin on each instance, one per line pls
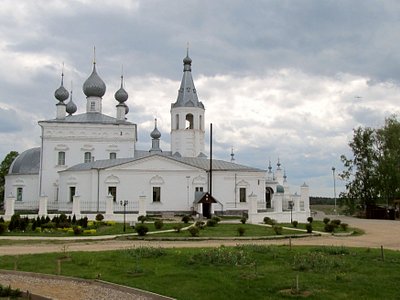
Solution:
(61, 94)
(121, 95)
(26, 163)
(155, 134)
(94, 86)
(280, 189)
(187, 60)
(71, 107)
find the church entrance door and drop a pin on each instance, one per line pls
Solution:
(207, 210)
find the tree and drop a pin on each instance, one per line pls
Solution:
(4, 167)
(372, 175)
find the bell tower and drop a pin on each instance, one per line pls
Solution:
(187, 117)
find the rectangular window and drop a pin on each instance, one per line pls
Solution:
(88, 157)
(61, 158)
(92, 106)
(199, 188)
(156, 194)
(71, 193)
(112, 190)
(113, 155)
(19, 193)
(242, 193)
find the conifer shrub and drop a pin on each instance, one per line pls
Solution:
(77, 230)
(141, 229)
(330, 227)
(278, 229)
(142, 219)
(310, 219)
(200, 224)
(336, 222)
(3, 228)
(216, 219)
(211, 223)
(186, 219)
(295, 223)
(158, 224)
(1, 220)
(269, 221)
(243, 220)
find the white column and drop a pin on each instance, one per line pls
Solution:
(10, 203)
(278, 202)
(109, 207)
(142, 205)
(305, 197)
(43, 206)
(76, 206)
(61, 110)
(253, 204)
(296, 203)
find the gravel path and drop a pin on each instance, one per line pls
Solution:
(377, 233)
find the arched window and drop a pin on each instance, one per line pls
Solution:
(177, 121)
(201, 122)
(88, 157)
(113, 155)
(189, 121)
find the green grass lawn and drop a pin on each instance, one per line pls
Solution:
(242, 272)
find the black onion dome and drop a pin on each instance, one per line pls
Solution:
(71, 107)
(155, 134)
(121, 95)
(61, 94)
(94, 86)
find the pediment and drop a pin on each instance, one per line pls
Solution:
(155, 163)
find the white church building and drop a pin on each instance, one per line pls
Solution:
(88, 163)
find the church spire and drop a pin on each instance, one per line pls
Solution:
(187, 95)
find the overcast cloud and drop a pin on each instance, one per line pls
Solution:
(287, 79)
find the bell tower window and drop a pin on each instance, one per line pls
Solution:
(189, 121)
(177, 121)
(92, 106)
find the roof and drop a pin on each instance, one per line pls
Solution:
(197, 162)
(93, 117)
(28, 162)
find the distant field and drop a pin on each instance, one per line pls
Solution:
(327, 209)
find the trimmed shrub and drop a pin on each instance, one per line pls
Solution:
(309, 227)
(49, 225)
(194, 231)
(211, 223)
(186, 219)
(216, 219)
(336, 222)
(326, 220)
(241, 231)
(200, 224)
(83, 222)
(243, 220)
(344, 226)
(77, 230)
(141, 229)
(277, 229)
(158, 224)
(142, 219)
(330, 227)
(269, 221)
(310, 219)
(295, 223)
(99, 217)
(1, 220)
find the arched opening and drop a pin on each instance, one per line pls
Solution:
(189, 121)
(269, 192)
(176, 121)
(201, 122)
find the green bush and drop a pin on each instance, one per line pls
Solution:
(99, 217)
(194, 230)
(200, 224)
(211, 223)
(241, 231)
(336, 222)
(158, 224)
(330, 227)
(295, 223)
(310, 219)
(1, 220)
(178, 228)
(77, 230)
(243, 220)
(9, 292)
(269, 221)
(344, 226)
(141, 229)
(186, 219)
(326, 220)
(142, 219)
(3, 228)
(49, 225)
(216, 219)
(277, 229)
(309, 227)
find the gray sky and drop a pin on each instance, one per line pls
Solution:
(287, 79)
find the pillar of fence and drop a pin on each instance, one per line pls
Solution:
(109, 207)
(9, 207)
(42, 206)
(142, 205)
(76, 206)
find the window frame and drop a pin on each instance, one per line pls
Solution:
(156, 197)
(112, 190)
(87, 157)
(242, 195)
(61, 158)
(72, 193)
(19, 194)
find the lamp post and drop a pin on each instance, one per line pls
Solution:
(334, 188)
(124, 203)
(291, 211)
